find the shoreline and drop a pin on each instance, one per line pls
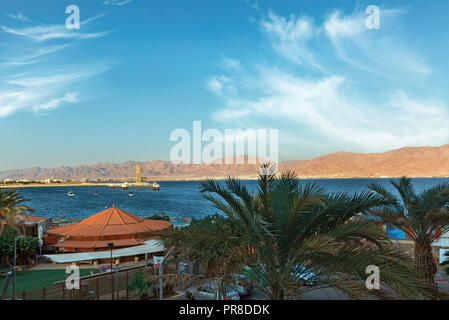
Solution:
(189, 179)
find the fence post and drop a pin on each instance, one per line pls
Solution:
(112, 284)
(117, 282)
(127, 279)
(98, 288)
(44, 292)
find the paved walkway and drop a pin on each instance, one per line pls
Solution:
(56, 266)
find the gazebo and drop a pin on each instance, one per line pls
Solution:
(112, 225)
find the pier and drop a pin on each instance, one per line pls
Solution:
(112, 185)
(123, 184)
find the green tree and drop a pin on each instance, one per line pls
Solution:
(422, 216)
(207, 243)
(25, 245)
(287, 226)
(159, 216)
(11, 208)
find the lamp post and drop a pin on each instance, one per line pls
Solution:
(15, 267)
(111, 246)
(161, 272)
(40, 233)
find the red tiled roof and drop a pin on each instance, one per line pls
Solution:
(98, 243)
(50, 239)
(29, 218)
(109, 224)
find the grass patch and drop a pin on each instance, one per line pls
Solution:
(35, 279)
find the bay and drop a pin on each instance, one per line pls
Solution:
(177, 199)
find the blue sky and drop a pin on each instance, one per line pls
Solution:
(136, 70)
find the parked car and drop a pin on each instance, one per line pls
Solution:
(242, 284)
(210, 291)
(305, 277)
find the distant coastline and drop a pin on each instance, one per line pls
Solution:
(414, 162)
(117, 184)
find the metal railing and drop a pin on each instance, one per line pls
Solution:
(106, 286)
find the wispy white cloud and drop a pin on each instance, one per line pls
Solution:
(116, 2)
(290, 37)
(19, 16)
(45, 92)
(217, 83)
(253, 4)
(375, 51)
(44, 86)
(307, 43)
(64, 75)
(338, 26)
(231, 63)
(33, 57)
(330, 108)
(54, 103)
(43, 32)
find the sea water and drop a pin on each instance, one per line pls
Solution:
(177, 199)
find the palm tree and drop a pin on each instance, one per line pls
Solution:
(11, 208)
(287, 232)
(422, 216)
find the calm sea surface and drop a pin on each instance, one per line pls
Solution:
(177, 199)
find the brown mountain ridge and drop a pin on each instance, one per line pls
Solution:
(410, 161)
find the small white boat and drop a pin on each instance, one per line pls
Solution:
(156, 186)
(71, 193)
(131, 194)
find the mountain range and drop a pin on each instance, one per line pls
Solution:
(410, 161)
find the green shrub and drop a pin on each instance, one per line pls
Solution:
(140, 285)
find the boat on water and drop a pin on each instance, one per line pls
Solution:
(96, 193)
(131, 194)
(71, 193)
(156, 186)
(125, 186)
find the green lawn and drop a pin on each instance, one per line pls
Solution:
(31, 280)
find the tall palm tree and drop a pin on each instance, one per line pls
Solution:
(287, 232)
(422, 216)
(12, 208)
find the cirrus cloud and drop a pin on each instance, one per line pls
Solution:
(29, 81)
(330, 107)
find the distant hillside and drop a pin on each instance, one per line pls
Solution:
(410, 161)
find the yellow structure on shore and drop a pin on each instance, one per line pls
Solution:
(140, 183)
(139, 173)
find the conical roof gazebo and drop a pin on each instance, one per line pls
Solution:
(112, 225)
